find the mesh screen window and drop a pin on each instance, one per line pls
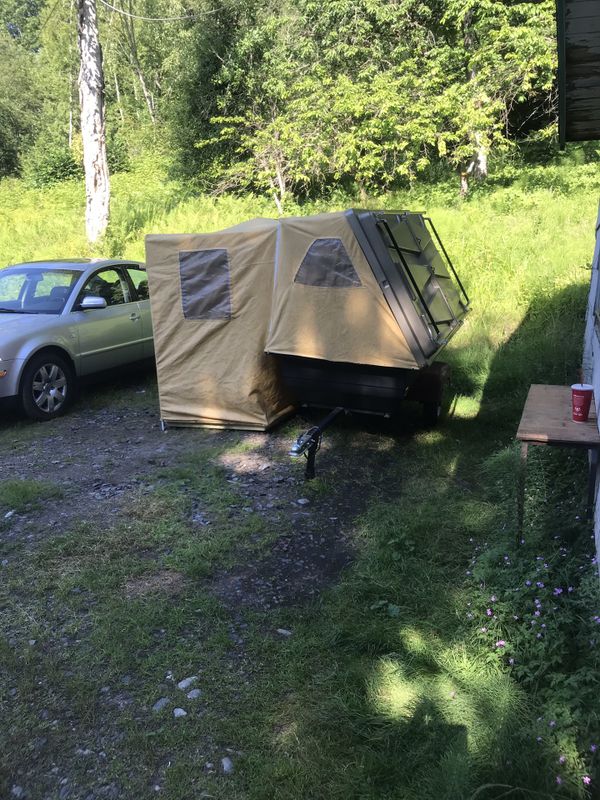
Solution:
(205, 284)
(327, 263)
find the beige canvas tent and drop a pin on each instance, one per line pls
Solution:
(211, 303)
(307, 304)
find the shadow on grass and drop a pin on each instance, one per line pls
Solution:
(395, 693)
(384, 690)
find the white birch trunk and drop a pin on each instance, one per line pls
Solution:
(91, 99)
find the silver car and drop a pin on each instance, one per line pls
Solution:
(63, 320)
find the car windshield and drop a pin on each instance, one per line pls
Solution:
(35, 290)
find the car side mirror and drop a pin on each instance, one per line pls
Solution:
(90, 302)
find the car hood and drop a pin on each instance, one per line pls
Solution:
(23, 323)
(16, 328)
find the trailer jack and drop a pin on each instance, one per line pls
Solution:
(309, 442)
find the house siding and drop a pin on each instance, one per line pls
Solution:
(591, 356)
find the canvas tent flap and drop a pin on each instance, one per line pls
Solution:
(327, 304)
(211, 299)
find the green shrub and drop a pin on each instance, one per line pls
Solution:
(50, 162)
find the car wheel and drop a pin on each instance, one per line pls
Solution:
(47, 386)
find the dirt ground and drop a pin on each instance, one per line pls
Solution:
(102, 451)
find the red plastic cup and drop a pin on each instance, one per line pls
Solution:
(581, 395)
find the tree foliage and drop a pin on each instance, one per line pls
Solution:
(294, 97)
(20, 101)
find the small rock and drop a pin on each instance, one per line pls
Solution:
(32, 642)
(187, 682)
(169, 676)
(179, 712)
(194, 694)
(160, 704)
(64, 792)
(126, 680)
(8, 515)
(4, 562)
(284, 632)
(227, 765)
(17, 791)
(209, 765)
(303, 501)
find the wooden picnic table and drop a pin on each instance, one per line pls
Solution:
(547, 420)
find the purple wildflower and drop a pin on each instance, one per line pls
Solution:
(552, 723)
(557, 591)
(537, 613)
(489, 612)
(500, 643)
(493, 598)
(483, 630)
(539, 584)
(511, 661)
(570, 589)
(538, 738)
(558, 780)
(593, 748)
(527, 583)
(562, 759)
(587, 780)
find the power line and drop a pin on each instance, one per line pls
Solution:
(155, 19)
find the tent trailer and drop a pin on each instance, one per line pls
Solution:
(347, 309)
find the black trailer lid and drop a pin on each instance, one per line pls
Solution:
(416, 276)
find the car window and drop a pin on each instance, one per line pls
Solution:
(140, 281)
(109, 284)
(35, 290)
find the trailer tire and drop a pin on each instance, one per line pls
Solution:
(432, 413)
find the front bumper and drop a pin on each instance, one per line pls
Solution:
(10, 372)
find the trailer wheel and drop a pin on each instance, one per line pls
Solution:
(432, 412)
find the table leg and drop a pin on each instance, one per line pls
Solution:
(521, 491)
(592, 481)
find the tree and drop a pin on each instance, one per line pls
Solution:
(20, 102)
(365, 94)
(93, 132)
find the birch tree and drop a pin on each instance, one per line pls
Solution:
(91, 99)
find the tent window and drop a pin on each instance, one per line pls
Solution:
(205, 286)
(327, 263)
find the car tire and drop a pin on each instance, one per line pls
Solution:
(47, 386)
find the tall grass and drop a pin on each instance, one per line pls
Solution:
(514, 246)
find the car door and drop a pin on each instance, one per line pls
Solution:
(112, 336)
(139, 279)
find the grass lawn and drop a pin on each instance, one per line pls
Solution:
(436, 660)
